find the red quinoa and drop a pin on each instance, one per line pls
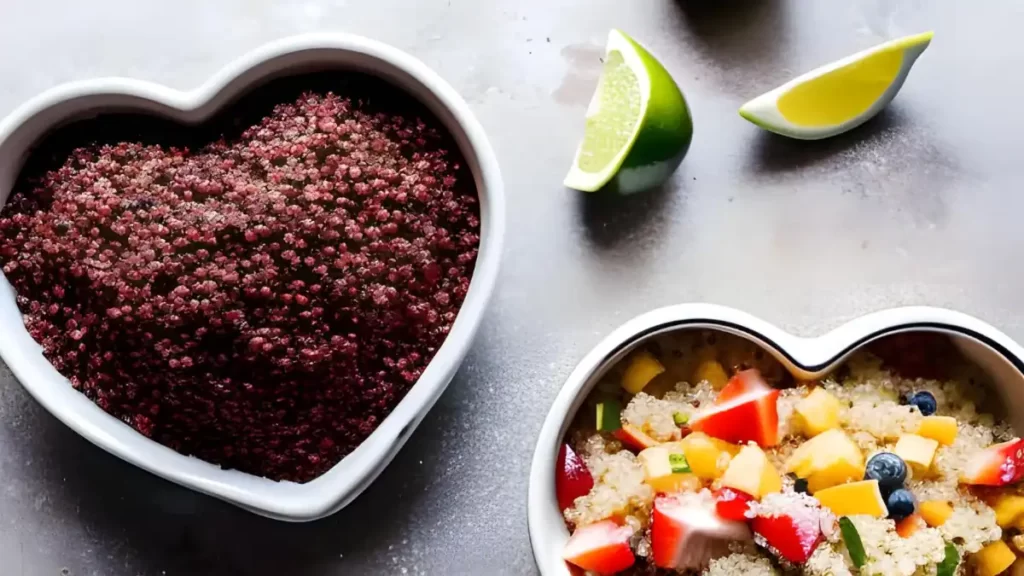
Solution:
(262, 303)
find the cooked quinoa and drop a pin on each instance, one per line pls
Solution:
(873, 412)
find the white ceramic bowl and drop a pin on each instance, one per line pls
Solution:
(805, 358)
(20, 131)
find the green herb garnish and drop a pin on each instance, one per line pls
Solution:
(608, 416)
(950, 562)
(853, 542)
(679, 418)
(678, 463)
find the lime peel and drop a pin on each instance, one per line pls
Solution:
(638, 123)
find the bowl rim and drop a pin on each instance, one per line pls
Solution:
(340, 485)
(804, 357)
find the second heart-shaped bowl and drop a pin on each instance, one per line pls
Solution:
(29, 125)
(804, 358)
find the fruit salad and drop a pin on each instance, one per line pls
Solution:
(699, 453)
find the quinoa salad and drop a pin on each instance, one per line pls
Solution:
(698, 453)
(262, 300)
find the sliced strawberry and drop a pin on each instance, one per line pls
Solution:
(745, 410)
(732, 504)
(793, 533)
(602, 548)
(634, 438)
(997, 465)
(572, 477)
(744, 382)
(686, 532)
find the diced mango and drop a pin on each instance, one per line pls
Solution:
(993, 559)
(817, 412)
(935, 512)
(711, 371)
(708, 457)
(828, 459)
(1009, 509)
(942, 429)
(666, 469)
(642, 368)
(917, 451)
(863, 497)
(751, 472)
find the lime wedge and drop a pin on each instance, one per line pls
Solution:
(638, 126)
(839, 96)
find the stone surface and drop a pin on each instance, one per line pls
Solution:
(919, 206)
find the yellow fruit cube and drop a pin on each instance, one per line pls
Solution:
(817, 412)
(917, 451)
(642, 368)
(939, 428)
(993, 559)
(711, 371)
(751, 472)
(828, 459)
(862, 497)
(935, 512)
(708, 457)
(666, 469)
(1009, 509)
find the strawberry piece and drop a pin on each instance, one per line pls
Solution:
(601, 548)
(686, 532)
(732, 504)
(634, 438)
(745, 410)
(793, 535)
(744, 382)
(997, 465)
(572, 477)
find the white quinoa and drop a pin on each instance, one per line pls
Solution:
(747, 564)
(619, 488)
(655, 416)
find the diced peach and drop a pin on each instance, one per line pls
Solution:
(751, 472)
(817, 412)
(634, 438)
(935, 512)
(642, 368)
(942, 429)
(708, 457)
(711, 371)
(666, 469)
(993, 559)
(917, 451)
(910, 525)
(863, 497)
(828, 459)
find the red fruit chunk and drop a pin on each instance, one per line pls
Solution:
(602, 548)
(997, 465)
(793, 535)
(732, 504)
(909, 525)
(744, 411)
(686, 532)
(572, 477)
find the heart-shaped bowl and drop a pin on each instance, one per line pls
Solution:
(805, 358)
(32, 122)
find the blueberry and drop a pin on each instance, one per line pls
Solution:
(889, 469)
(800, 486)
(900, 504)
(924, 401)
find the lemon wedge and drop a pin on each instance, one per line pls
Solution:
(839, 96)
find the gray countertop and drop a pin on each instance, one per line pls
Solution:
(920, 206)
